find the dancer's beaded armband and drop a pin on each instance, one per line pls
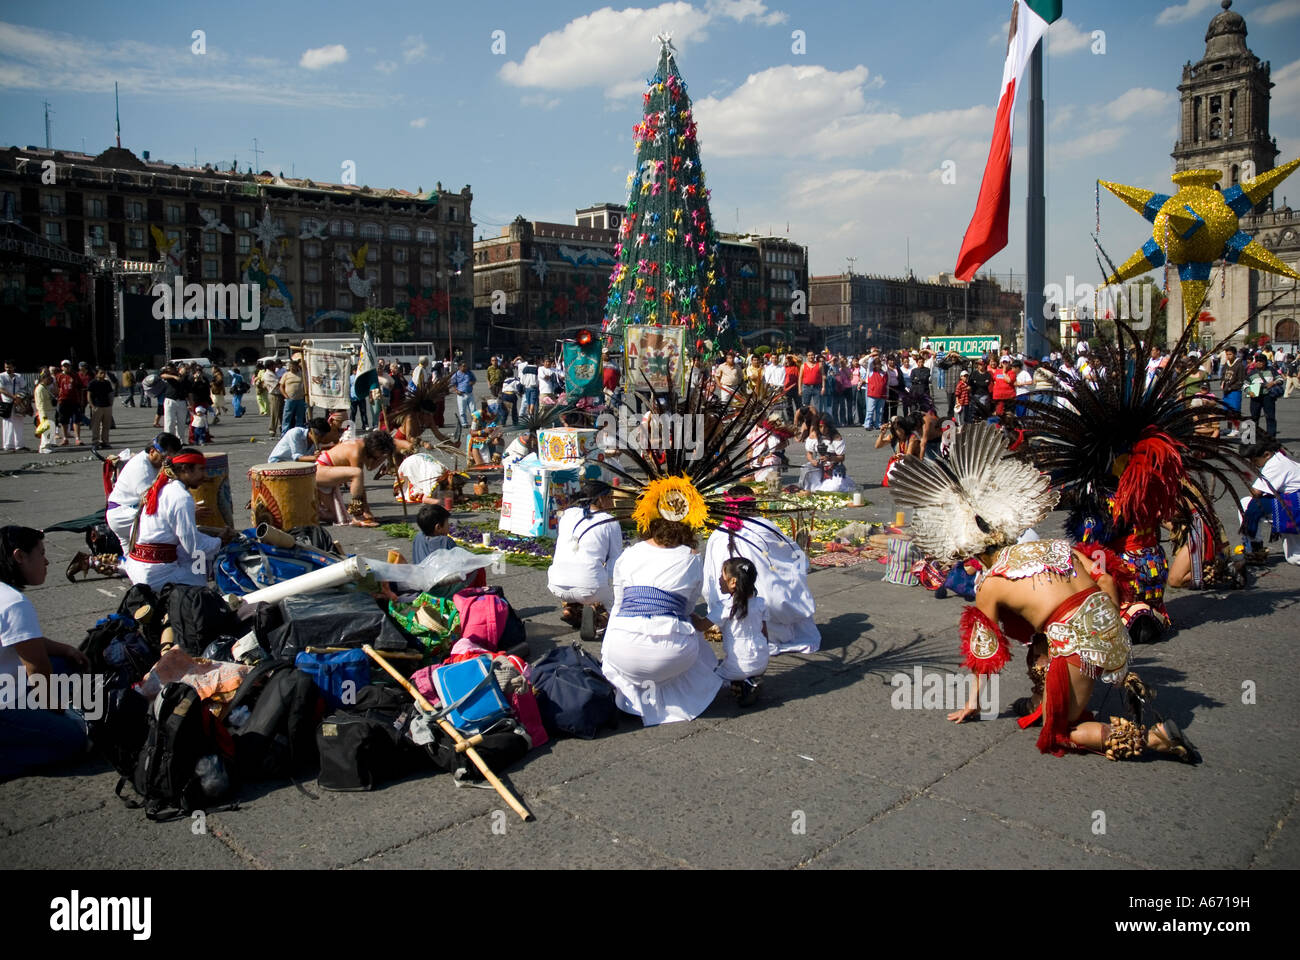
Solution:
(984, 649)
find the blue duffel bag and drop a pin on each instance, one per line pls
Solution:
(573, 696)
(248, 564)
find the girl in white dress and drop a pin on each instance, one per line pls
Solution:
(744, 633)
(658, 661)
(588, 544)
(825, 472)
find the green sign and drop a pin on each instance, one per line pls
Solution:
(966, 346)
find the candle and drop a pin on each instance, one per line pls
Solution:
(857, 498)
(487, 539)
(450, 502)
(898, 519)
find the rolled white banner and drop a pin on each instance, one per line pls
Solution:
(335, 575)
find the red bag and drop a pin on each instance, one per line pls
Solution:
(486, 619)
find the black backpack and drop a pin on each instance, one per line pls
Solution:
(186, 763)
(197, 616)
(278, 738)
(119, 652)
(573, 696)
(366, 745)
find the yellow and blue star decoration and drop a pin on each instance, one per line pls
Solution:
(1198, 225)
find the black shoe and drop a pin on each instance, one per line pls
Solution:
(745, 691)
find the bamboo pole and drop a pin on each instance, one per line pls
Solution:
(452, 732)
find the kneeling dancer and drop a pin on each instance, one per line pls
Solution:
(1042, 592)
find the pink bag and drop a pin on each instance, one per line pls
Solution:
(483, 616)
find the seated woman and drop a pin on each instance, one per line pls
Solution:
(900, 433)
(661, 666)
(587, 546)
(1279, 477)
(346, 463)
(824, 472)
(484, 436)
(169, 547)
(43, 733)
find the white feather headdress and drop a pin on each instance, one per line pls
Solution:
(982, 498)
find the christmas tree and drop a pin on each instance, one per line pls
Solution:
(668, 271)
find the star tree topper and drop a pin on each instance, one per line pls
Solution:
(1198, 225)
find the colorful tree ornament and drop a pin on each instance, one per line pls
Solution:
(1198, 225)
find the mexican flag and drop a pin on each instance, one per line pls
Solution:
(987, 233)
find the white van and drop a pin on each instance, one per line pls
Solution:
(203, 362)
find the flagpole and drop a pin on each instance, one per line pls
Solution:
(1035, 336)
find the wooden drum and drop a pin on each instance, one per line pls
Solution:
(284, 494)
(212, 502)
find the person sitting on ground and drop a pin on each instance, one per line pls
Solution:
(302, 444)
(902, 434)
(654, 652)
(44, 732)
(485, 435)
(169, 547)
(347, 463)
(587, 546)
(435, 525)
(744, 630)
(520, 447)
(825, 472)
(782, 568)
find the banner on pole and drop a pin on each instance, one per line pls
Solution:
(328, 378)
(654, 354)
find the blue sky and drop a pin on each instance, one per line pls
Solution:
(845, 142)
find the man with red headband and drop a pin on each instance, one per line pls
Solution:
(168, 545)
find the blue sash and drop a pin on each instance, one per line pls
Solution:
(653, 602)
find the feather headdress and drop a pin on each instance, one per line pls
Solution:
(984, 497)
(430, 398)
(689, 483)
(1125, 453)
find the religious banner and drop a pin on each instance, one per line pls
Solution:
(328, 374)
(582, 370)
(654, 355)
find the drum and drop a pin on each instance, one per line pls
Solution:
(284, 494)
(212, 506)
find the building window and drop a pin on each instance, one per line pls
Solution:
(371, 231)
(349, 228)
(399, 277)
(209, 268)
(243, 243)
(174, 236)
(243, 219)
(399, 231)
(52, 204)
(1234, 174)
(54, 232)
(309, 224)
(312, 273)
(399, 255)
(173, 213)
(135, 238)
(372, 273)
(372, 255)
(425, 235)
(95, 207)
(426, 278)
(426, 257)
(96, 236)
(279, 223)
(135, 210)
(311, 298)
(1216, 128)
(343, 301)
(453, 214)
(1232, 111)
(311, 249)
(210, 241)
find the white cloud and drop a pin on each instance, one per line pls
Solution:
(606, 48)
(420, 122)
(386, 66)
(1089, 144)
(1286, 93)
(414, 48)
(318, 58)
(740, 10)
(33, 59)
(1182, 12)
(539, 101)
(1064, 37)
(1275, 12)
(810, 110)
(1134, 101)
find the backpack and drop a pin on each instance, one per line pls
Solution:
(120, 653)
(186, 761)
(197, 616)
(470, 698)
(278, 738)
(488, 621)
(366, 744)
(338, 675)
(573, 696)
(238, 386)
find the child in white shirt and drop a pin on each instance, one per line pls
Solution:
(744, 631)
(200, 424)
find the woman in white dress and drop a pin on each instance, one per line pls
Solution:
(168, 546)
(825, 472)
(588, 545)
(658, 661)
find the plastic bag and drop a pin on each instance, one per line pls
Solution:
(440, 609)
(441, 566)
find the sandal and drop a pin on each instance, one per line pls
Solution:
(361, 516)
(1180, 748)
(1024, 707)
(80, 564)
